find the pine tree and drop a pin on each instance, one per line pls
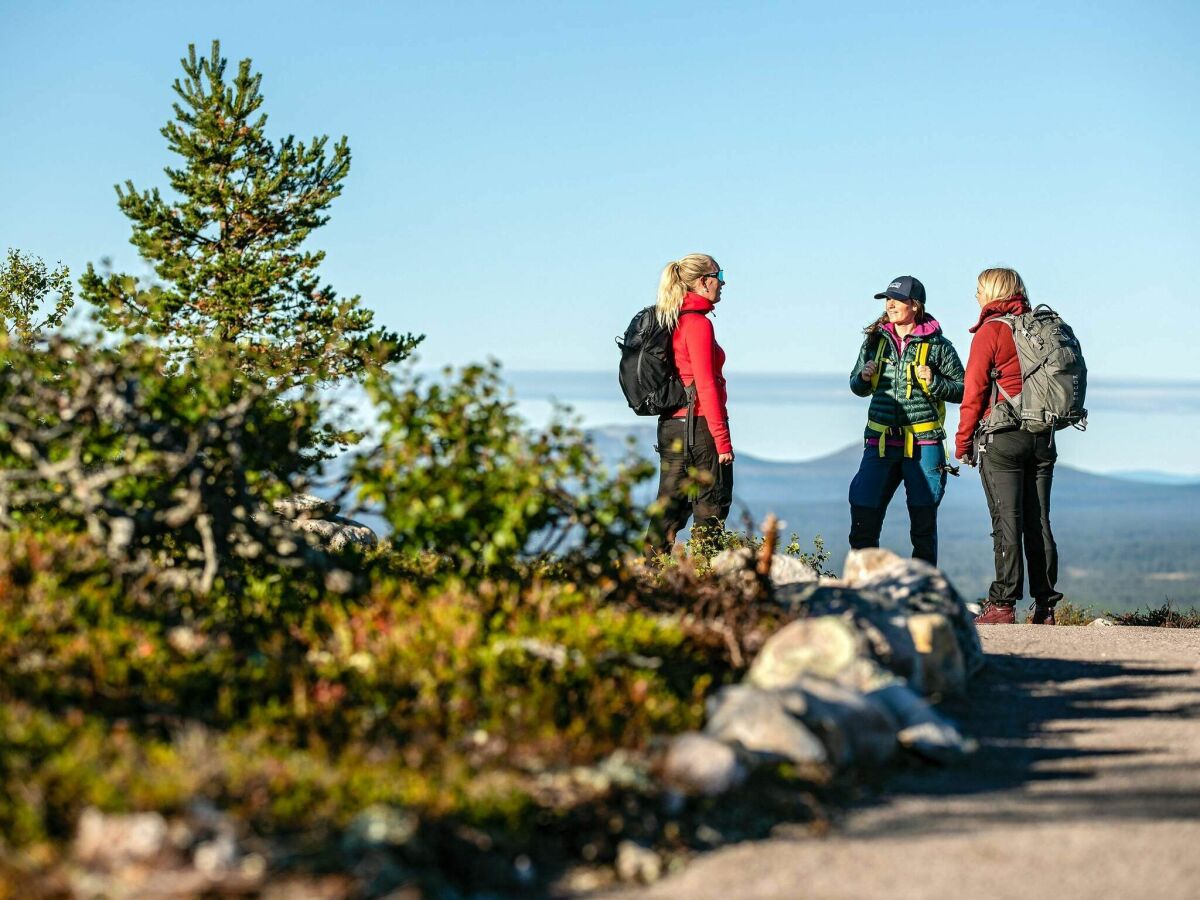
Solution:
(228, 249)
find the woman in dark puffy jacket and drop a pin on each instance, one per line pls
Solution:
(688, 290)
(1017, 468)
(910, 371)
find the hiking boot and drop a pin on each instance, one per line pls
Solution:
(995, 614)
(1042, 614)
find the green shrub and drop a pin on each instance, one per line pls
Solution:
(458, 475)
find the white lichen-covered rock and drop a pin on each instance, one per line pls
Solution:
(825, 647)
(699, 764)
(1102, 622)
(786, 571)
(110, 841)
(764, 722)
(854, 730)
(337, 533)
(305, 506)
(944, 673)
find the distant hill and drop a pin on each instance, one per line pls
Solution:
(1122, 543)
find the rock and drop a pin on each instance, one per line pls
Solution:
(1102, 622)
(731, 561)
(787, 570)
(914, 586)
(699, 764)
(853, 730)
(307, 506)
(111, 841)
(759, 721)
(638, 863)
(825, 646)
(880, 620)
(921, 730)
(943, 671)
(336, 533)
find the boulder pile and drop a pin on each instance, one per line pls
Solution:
(847, 684)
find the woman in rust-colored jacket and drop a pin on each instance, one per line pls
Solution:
(1015, 466)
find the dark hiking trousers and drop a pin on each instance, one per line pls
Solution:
(1017, 469)
(690, 483)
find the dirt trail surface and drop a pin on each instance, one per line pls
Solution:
(1086, 784)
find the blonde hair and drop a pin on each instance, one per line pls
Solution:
(1001, 284)
(674, 282)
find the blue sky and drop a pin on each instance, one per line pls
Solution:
(522, 171)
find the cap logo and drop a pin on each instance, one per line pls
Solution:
(894, 284)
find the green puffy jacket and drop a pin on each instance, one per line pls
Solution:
(898, 399)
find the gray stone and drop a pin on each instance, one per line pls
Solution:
(115, 840)
(337, 533)
(854, 730)
(921, 729)
(1102, 622)
(699, 764)
(759, 721)
(638, 863)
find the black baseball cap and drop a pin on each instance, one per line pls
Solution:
(903, 288)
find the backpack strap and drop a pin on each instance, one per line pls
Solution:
(879, 351)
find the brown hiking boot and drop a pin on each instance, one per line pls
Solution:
(1042, 614)
(995, 614)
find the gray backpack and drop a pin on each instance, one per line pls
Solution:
(1053, 376)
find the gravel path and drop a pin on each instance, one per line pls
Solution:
(1086, 784)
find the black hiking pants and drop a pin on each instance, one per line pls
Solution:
(690, 483)
(1017, 469)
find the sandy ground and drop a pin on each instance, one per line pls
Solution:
(1086, 784)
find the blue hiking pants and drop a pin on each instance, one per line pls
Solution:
(873, 487)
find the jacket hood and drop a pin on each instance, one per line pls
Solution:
(1013, 306)
(696, 302)
(928, 328)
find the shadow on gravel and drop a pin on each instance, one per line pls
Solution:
(1024, 726)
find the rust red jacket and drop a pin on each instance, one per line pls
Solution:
(991, 348)
(700, 360)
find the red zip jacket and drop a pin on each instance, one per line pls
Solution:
(991, 348)
(700, 360)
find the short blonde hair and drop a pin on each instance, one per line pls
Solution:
(674, 282)
(1001, 284)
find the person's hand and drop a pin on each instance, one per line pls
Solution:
(967, 461)
(925, 374)
(725, 458)
(868, 371)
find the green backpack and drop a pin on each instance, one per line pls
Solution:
(1053, 377)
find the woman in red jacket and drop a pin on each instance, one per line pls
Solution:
(695, 437)
(1015, 466)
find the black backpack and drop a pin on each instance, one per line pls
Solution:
(647, 372)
